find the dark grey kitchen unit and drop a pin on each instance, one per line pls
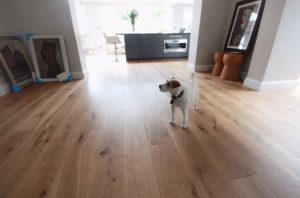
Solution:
(155, 46)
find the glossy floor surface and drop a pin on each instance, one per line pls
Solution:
(109, 136)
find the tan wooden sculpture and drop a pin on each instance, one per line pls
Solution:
(218, 67)
(232, 63)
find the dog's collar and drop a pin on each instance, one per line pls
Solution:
(176, 97)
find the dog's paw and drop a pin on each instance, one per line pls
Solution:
(184, 126)
(172, 122)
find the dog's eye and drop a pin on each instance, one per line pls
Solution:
(168, 84)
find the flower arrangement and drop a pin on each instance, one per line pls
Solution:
(133, 14)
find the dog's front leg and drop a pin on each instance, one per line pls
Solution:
(185, 117)
(195, 104)
(172, 121)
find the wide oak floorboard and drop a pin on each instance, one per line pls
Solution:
(109, 136)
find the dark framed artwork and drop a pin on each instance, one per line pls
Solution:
(49, 56)
(16, 62)
(244, 25)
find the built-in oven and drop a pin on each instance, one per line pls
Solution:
(175, 45)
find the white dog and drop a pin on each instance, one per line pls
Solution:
(181, 95)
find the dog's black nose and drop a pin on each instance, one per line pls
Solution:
(159, 86)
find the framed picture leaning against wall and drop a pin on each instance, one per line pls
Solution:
(49, 56)
(244, 25)
(15, 62)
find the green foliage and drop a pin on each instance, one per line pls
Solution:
(133, 14)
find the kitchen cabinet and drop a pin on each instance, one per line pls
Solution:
(155, 46)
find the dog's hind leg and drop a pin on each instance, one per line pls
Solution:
(196, 95)
(172, 121)
(185, 117)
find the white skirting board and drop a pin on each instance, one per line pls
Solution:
(190, 67)
(4, 89)
(270, 85)
(203, 68)
(79, 75)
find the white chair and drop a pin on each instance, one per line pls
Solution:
(113, 40)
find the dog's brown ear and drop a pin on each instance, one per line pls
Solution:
(174, 84)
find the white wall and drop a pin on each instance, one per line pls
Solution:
(108, 17)
(7, 28)
(272, 64)
(284, 60)
(208, 37)
(48, 17)
(194, 47)
(6, 21)
(182, 15)
(81, 13)
(79, 45)
(265, 38)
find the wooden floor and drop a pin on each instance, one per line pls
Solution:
(109, 136)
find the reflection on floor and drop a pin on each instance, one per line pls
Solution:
(109, 136)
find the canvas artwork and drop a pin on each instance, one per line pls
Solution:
(15, 62)
(244, 25)
(49, 56)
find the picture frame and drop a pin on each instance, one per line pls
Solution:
(49, 56)
(244, 25)
(15, 62)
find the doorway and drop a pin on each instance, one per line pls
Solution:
(96, 17)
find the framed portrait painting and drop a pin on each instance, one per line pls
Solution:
(49, 56)
(16, 62)
(244, 25)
